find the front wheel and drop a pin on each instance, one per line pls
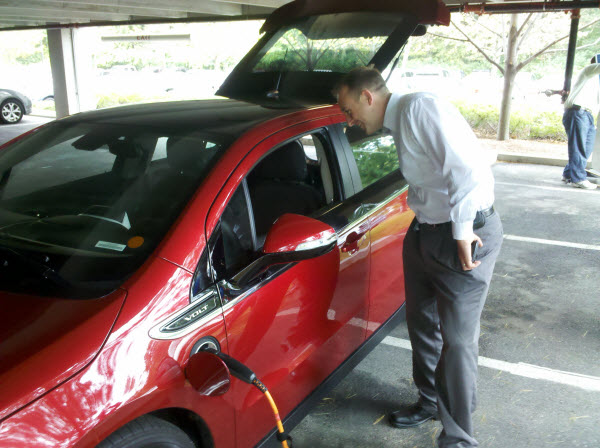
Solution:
(148, 432)
(11, 111)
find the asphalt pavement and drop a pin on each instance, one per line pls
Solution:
(539, 365)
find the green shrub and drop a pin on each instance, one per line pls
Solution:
(525, 124)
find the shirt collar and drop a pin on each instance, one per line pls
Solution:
(390, 119)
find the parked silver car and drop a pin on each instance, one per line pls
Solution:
(13, 105)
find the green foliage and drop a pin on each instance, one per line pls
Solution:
(375, 159)
(342, 60)
(448, 48)
(295, 52)
(525, 124)
(34, 54)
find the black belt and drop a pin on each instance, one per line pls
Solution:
(480, 217)
(488, 211)
(478, 223)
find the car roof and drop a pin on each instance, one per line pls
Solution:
(223, 117)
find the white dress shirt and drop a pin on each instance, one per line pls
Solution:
(441, 160)
(586, 92)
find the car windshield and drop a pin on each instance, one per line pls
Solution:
(83, 205)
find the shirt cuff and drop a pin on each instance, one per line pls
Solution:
(462, 230)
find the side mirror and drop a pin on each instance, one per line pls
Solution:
(300, 237)
(292, 238)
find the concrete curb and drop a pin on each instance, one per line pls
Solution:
(535, 160)
(525, 158)
(42, 114)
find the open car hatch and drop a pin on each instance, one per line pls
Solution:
(308, 45)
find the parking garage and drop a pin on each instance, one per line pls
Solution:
(539, 374)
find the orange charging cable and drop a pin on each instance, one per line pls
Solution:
(283, 437)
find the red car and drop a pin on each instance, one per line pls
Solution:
(135, 237)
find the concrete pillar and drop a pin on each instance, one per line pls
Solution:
(71, 65)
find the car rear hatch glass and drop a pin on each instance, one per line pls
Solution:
(308, 46)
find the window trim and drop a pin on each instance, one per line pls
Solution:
(250, 212)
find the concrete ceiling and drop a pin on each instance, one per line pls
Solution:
(23, 14)
(45, 13)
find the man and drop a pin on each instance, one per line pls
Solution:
(451, 191)
(581, 108)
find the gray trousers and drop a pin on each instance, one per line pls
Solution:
(443, 310)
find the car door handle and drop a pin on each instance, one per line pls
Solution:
(351, 244)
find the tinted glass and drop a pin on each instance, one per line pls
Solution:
(333, 42)
(299, 63)
(83, 205)
(238, 237)
(294, 178)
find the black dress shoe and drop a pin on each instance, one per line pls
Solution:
(412, 416)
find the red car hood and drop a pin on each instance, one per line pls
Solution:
(45, 341)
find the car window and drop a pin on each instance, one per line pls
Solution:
(50, 173)
(375, 155)
(203, 277)
(160, 151)
(293, 178)
(92, 201)
(310, 47)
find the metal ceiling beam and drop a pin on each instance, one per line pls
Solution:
(55, 14)
(192, 6)
(205, 19)
(267, 3)
(516, 7)
(62, 5)
(18, 21)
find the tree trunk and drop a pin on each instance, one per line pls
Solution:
(510, 72)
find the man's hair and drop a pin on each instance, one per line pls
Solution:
(360, 78)
(593, 60)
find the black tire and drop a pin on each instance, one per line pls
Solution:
(148, 432)
(11, 111)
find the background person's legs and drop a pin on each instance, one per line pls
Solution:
(577, 126)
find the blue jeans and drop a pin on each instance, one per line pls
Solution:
(581, 134)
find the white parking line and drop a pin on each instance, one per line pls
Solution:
(541, 187)
(590, 383)
(551, 242)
